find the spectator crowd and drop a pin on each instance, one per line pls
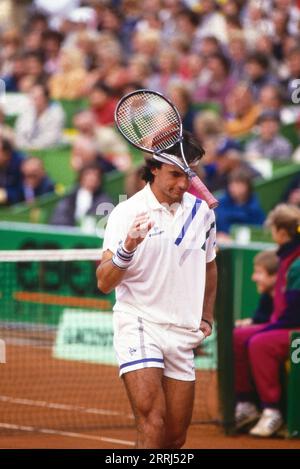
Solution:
(230, 66)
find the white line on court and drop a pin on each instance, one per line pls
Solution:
(66, 407)
(26, 428)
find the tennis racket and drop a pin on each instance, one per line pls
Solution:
(151, 123)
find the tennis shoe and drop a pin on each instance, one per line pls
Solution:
(245, 413)
(269, 423)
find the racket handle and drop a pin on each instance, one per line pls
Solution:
(211, 201)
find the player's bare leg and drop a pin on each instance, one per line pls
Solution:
(179, 401)
(146, 395)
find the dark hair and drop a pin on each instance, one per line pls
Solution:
(146, 171)
(53, 35)
(190, 15)
(101, 86)
(192, 149)
(6, 145)
(38, 55)
(44, 87)
(259, 58)
(242, 175)
(223, 59)
(93, 166)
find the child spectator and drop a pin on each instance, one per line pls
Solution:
(264, 275)
(261, 349)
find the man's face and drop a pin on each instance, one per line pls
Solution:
(269, 129)
(33, 173)
(264, 281)
(171, 182)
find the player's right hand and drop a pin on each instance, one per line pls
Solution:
(138, 231)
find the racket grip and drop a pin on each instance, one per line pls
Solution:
(211, 201)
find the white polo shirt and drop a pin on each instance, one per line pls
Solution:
(165, 283)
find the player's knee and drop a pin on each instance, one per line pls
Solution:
(152, 421)
(175, 441)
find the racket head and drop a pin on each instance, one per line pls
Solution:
(148, 121)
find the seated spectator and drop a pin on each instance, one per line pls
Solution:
(237, 49)
(52, 41)
(242, 111)
(102, 104)
(270, 98)
(220, 83)
(270, 144)
(229, 158)
(10, 44)
(257, 72)
(34, 71)
(265, 347)
(35, 180)
(41, 124)
(209, 130)
(13, 77)
(168, 71)
(10, 174)
(292, 193)
(178, 92)
(68, 82)
(213, 23)
(239, 205)
(108, 141)
(85, 151)
(264, 275)
(83, 200)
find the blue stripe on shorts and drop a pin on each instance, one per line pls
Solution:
(143, 360)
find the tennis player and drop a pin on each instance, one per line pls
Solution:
(159, 254)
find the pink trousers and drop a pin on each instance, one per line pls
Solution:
(257, 358)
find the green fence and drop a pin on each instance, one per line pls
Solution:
(293, 411)
(270, 191)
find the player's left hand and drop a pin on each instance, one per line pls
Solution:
(205, 328)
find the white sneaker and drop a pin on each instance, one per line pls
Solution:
(270, 422)
(245, 413)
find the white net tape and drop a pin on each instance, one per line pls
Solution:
(53, 255)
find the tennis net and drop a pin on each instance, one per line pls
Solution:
(58, 367)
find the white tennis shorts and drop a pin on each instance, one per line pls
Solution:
(143, 344)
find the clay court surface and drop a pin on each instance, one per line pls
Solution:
(50, 403)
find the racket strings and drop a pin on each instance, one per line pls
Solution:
(149, 121)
